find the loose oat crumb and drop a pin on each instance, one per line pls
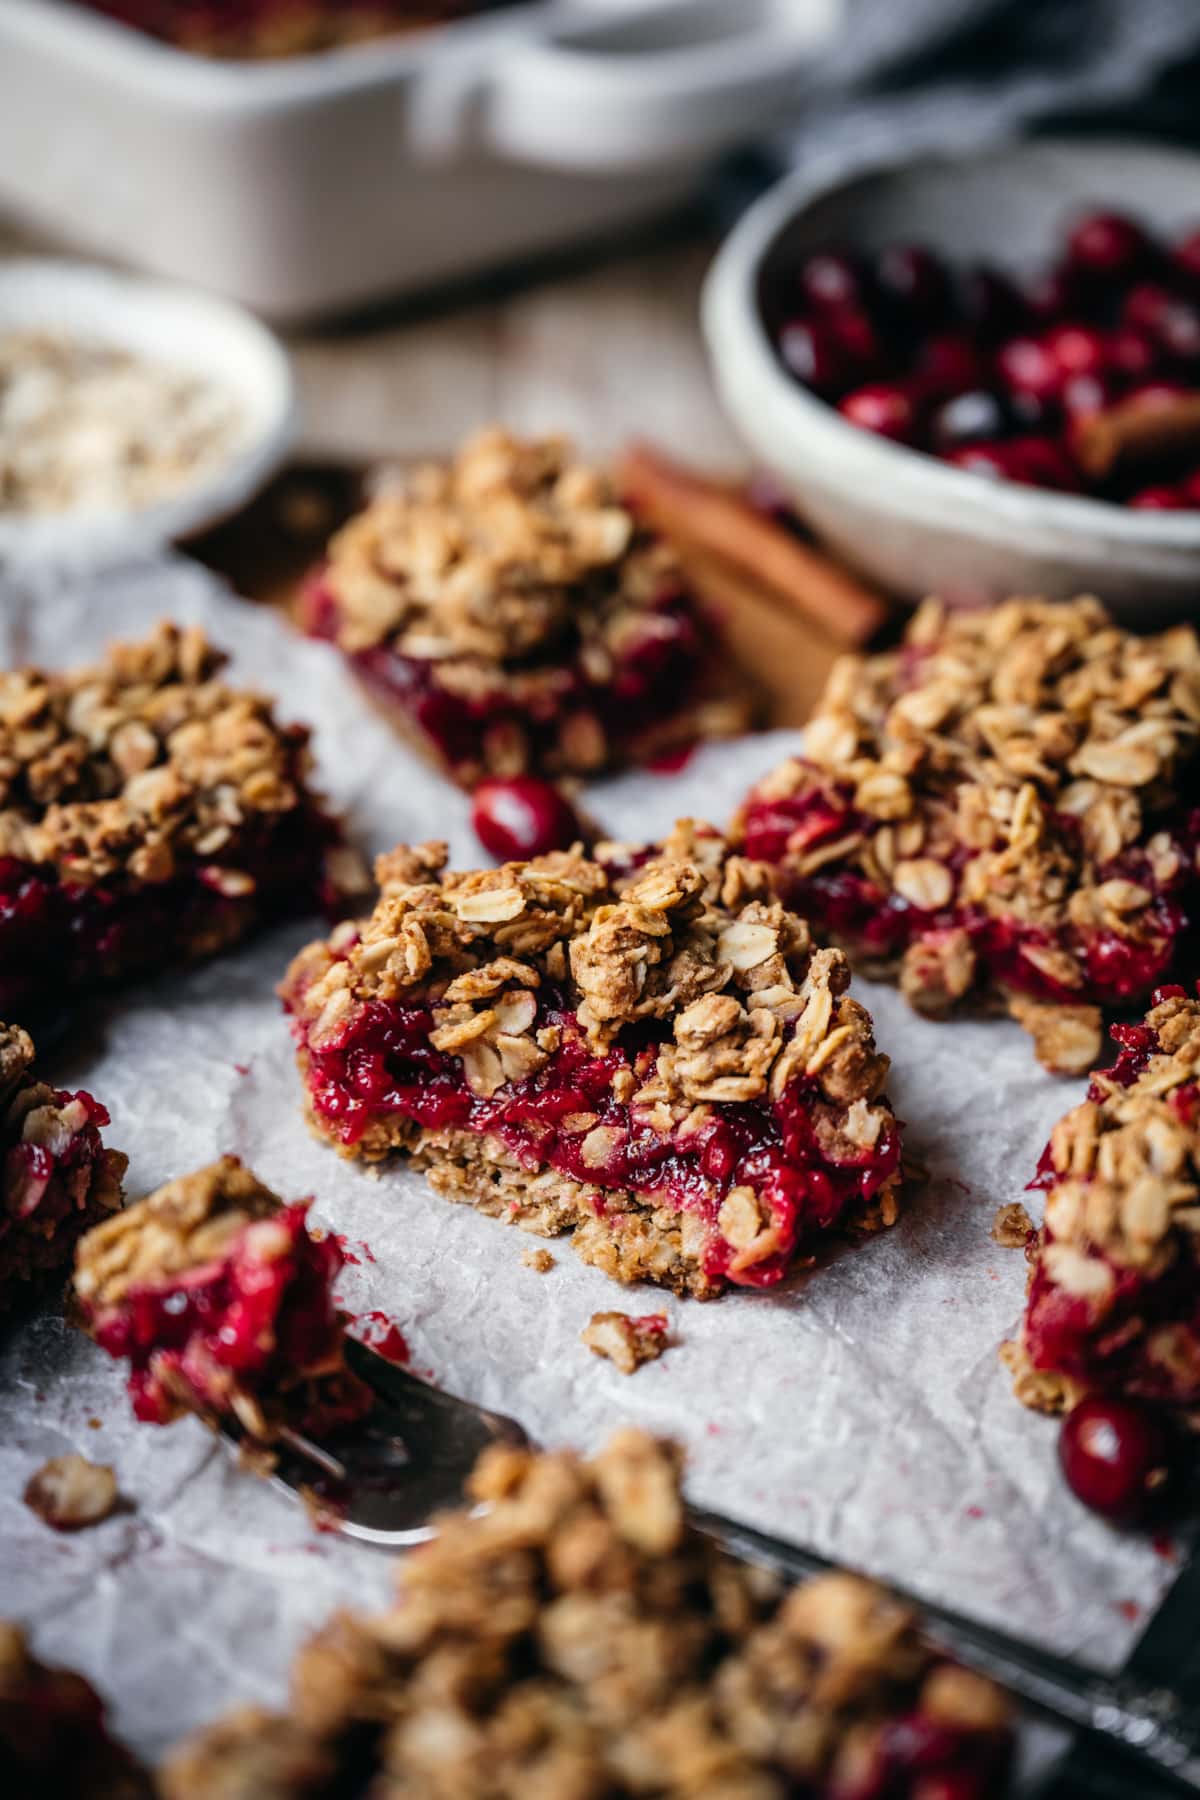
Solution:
(70, 1493)
(624, 1340)
(539, 1260)
(1011, 1226)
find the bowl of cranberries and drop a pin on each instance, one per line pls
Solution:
(981, 376)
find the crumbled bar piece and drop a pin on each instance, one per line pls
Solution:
(1112, 1299)
(69, 1492)
(1012, 1226)
(648, 1053)
(1004, 807)
(576, 1638)
(268, 29)
(150, 814)
(56, 1177)
(220, 1299)
(541, 1261)
(511, 615)
(53, 1740)
(627, 1341)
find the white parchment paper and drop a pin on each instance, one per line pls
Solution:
(860, 1409)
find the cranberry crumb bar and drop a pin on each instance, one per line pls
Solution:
(219, 1298)
(53, 1739)
(58, 1179)
(1006, 806)
(1112, 1300)
(577, 1639)
(658, 1061)
(272, 28)
(511, 614)
(149, 813)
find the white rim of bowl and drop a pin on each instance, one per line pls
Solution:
(730, 312)
(77, 536)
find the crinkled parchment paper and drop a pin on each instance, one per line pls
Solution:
(860, 1409)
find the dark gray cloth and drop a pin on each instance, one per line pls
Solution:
(912, 75)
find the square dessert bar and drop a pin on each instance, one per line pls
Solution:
(149, 814)
(511, 614)
(574, 1637)
(220, 1299)
(54, 1742)
(58, 1179)
(1114, 1296)
(1006, 807)
(649, 1054)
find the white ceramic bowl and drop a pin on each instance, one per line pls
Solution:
(913, 524)
(171, 325)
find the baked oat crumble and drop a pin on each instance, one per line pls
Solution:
(1012, 1226)
(149, 812)
(625, 1340)
(512, 615)
(1004, 806)
(577, 1638)
(540, 1261)
(649, 1053)
(1111, 1303)
(57, 1178)
(220, 1299)
(70, 1493)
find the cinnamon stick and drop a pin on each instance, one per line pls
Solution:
(1142, 429)
(716, 518)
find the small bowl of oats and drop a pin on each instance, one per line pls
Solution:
(132, 413)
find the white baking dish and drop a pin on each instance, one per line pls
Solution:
(324, 182)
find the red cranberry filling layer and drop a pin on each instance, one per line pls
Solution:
(918, 1756)
(56, 935)
(263, 1319)
(653, 681)
(845, 905)
(45, 1190)
(240, 24)
(383, 1063)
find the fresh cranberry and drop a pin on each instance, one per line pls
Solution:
(1155, 394)
(1132, 354)
(1160, 499)
(815, 355)
(1189, 487)
(1054, 294)
(830, 281)
(1027, 366)
(1085, 395)
(950, 361)
(1037, 462)
(1116, 1457)
(1076, 349)
(913, 282)
(1186, 258)
(970, 418)
(993, 304)
(1145, 306)
(1179, 331)
(520, 817)
(887, 408)
(856, 333)
(1110, 245)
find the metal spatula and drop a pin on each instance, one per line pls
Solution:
(381, 1482)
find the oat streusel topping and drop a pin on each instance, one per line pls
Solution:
(126, 770)
(1122, 1218)
(577, 1639)
(189, 1222)
(1024, 763)
(625, 1340)
(493, 559)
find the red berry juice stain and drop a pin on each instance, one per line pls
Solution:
(383, 1335)
(975, 1512)
(1163, 1545)
(1129, 1609)
(242, 1068)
